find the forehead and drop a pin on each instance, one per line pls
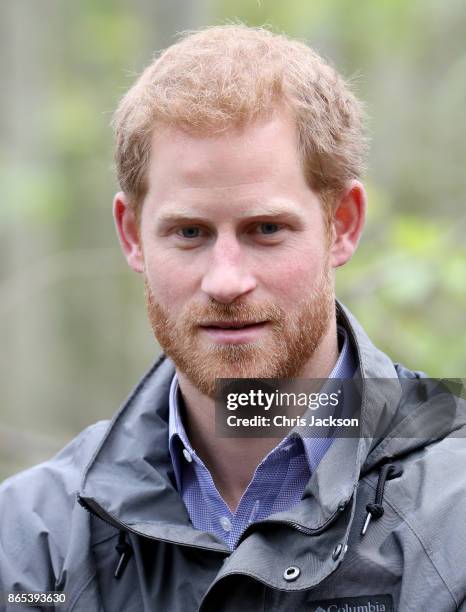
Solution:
(260, 157)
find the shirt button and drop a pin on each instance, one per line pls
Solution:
(254, 511)
(225, 523)
(291, 573)
(187, 455)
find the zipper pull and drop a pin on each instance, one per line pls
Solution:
(366, 523)
(388, 471)
(125, 551)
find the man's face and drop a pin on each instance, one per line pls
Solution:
(236, 254)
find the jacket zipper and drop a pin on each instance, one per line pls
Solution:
(97, 511)
(298, 526)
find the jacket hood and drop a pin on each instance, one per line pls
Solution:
(130, 481)
(401, 410)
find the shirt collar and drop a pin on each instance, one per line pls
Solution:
(314, 448)
(345, 367)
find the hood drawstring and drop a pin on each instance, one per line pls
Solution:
(125, 551)
(388, 471)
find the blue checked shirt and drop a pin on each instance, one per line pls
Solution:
(278, 482)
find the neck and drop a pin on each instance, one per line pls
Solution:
(232, 461)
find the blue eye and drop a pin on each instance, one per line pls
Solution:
(269, 228)
(190, 232)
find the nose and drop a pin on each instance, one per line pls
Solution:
(227, 276)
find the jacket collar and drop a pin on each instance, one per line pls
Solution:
(129, 482)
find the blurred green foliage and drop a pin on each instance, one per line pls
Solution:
(73, 327)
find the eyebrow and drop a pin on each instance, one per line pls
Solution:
(184, 214)
(270, 211)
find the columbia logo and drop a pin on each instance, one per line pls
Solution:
(373, 603)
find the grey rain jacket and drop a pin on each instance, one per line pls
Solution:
(103, 522)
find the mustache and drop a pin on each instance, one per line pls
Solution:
(234, 312)
(196, 314)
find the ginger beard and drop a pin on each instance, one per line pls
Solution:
(286, 345)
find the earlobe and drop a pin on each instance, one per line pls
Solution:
(348, 223)
(127, 227)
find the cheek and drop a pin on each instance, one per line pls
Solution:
(291, 273)
(172, 285)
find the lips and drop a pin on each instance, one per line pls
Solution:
(231, 324)
(234, 332)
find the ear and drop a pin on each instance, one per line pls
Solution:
(348, 223)
(128, 231)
